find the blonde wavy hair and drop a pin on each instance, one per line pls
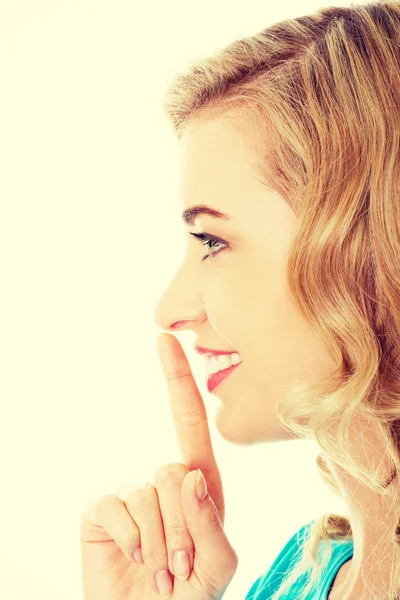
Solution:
(320, 96)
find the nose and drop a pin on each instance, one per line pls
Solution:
(180, 306)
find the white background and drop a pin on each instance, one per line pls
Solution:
(90, 235)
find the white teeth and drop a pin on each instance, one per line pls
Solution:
(223, 362)
(220, 362)
(236, 358)
(212, 365)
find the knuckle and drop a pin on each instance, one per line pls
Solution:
(171, 472)
(142, 499)
(104, 504)
(233, 561)
(178, 537)
(192, 419)
(126, 490)
(215, 521)
(128, 541)
(89, 513)
(154, 557)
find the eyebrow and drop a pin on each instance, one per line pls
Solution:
(190, 214)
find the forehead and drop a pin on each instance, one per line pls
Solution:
(218, 168)
(215, 159)
(213, 142)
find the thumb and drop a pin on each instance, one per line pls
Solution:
(213, 553)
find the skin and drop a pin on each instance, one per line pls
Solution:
(239, 301)
(368, 572)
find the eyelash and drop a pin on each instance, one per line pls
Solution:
(206, 240)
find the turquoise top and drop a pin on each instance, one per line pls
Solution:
(269, 582)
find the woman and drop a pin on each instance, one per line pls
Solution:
(291, 137)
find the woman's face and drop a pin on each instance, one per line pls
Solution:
(237, 300)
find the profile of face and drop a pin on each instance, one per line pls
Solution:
(236, 299)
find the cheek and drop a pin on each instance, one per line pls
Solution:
(267, 326)
(251, 308)
(226, 301)
(241, 300)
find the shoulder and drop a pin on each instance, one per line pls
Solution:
(269, 581)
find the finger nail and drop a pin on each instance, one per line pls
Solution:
(201, 486)
(137, 555)
(181, 564)
(164, 583)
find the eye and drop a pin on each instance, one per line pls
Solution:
(212, 240)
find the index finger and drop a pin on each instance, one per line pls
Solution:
(190, 417)
(188, 410)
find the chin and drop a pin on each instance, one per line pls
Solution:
(234, 430)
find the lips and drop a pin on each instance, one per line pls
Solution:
(213, 352)
(214, 380)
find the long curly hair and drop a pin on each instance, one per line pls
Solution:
(319, 95)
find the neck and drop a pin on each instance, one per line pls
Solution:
(373, 521)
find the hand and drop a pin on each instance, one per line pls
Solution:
(165, 517)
